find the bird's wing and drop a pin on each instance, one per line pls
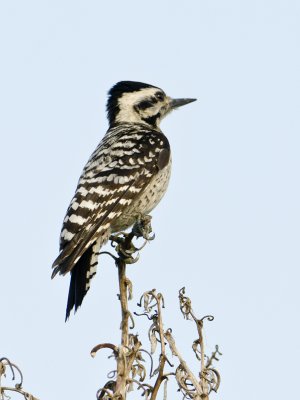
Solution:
(113, 177)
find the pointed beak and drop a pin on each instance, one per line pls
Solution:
(175, 103)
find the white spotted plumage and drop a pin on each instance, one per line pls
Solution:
(126, 176)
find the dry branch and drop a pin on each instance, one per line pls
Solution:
(131, 369)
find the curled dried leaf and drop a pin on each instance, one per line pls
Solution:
(196, 348)
(213, 357)
(129, 288)
(147, 389)
(104, 394)
(213, 378)
(185, 304)
(107, 391)
(165, 389)
(112, 374)
(156, 371)
(217, 380)
(104, 346)
(131, 320)
(146, 302)
(130, 387)
(141, 372)
(153, 340)
(160, 297)
(184, 383)
(208, 317)
(2, 369)
(151, 360)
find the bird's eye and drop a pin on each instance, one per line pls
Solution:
(144, 104)
(160, 96)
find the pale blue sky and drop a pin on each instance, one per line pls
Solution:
(228, 228)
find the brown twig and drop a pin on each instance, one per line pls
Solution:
(162, 358)
(190, 375)
(122, 367)
(128, 352)
(209, 377)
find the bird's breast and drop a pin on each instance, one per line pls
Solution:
(147, 200)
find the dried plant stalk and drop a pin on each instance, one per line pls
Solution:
(162, 359)
(183, 364)
(131, 369)
(15, 370)
(121, 359)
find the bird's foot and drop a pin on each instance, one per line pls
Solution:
(142, 227)
(122, 242)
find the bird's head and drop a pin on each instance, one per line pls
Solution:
(136, 102)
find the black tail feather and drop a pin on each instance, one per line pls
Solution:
(78, 282)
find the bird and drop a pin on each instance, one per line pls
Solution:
(125, 177)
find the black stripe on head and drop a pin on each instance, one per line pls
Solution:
(152, 120)
(144, 104)
(117, 91)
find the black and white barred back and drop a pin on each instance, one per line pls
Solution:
(125, 177)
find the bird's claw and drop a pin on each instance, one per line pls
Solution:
(143, 228)
(122, 241)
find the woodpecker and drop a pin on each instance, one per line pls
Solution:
(125, 177)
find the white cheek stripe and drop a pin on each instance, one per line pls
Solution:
(128, 100)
